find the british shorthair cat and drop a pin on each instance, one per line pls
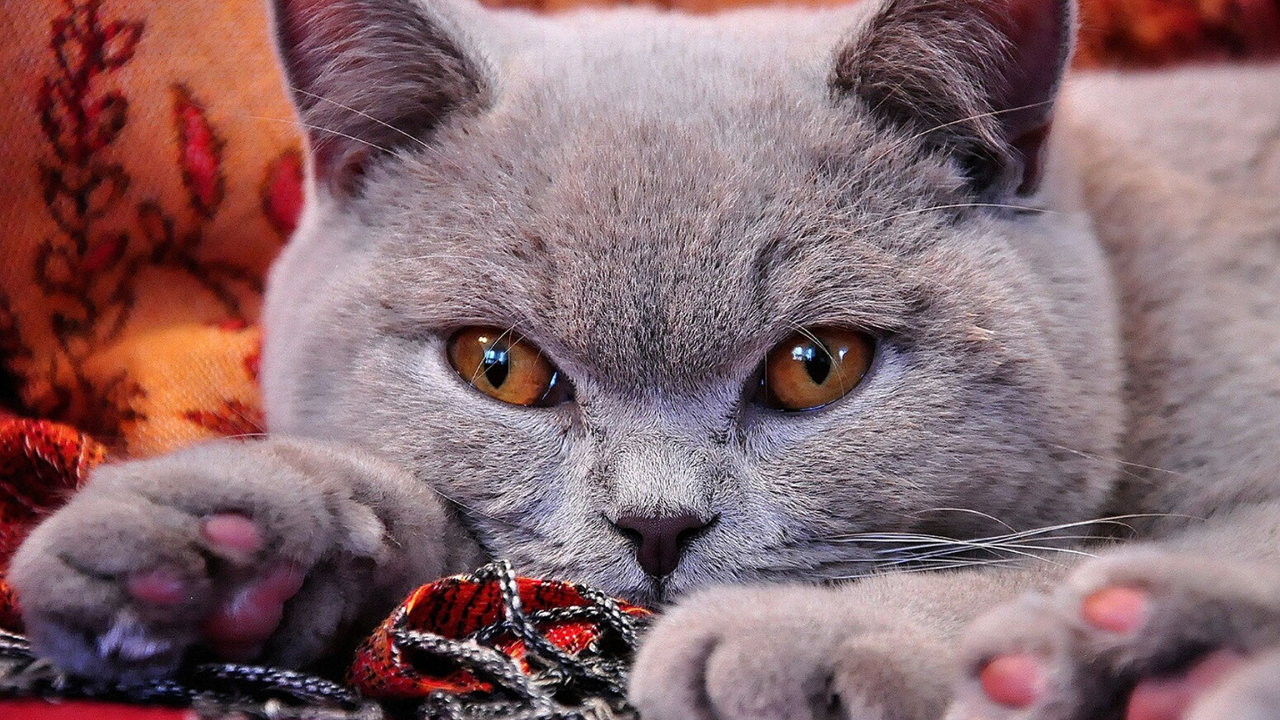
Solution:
(850, 332)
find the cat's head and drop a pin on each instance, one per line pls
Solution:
(698, 227)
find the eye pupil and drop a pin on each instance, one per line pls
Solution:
(817, 362)
(505, 366)
(495, 366)
(814, 367)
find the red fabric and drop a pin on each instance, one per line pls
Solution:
(83, 710)
(453, 608)
(41, 464)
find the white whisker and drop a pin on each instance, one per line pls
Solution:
(942, 126)
(361, 113)
(299, 123)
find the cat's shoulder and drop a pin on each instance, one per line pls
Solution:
(1217, 122)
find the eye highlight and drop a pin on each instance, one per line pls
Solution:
(814, 367)
(505, 367)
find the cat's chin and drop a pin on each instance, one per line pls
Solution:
(657, 592)
(647, 592)
(650, 594)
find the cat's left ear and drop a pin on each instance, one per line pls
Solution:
(973, 78)
(369, 77)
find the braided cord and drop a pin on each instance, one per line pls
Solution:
(558, 685)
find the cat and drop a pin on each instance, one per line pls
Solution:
(742, 314)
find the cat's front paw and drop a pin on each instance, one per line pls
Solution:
(787, 653)
(224, 547)
(1143, 634)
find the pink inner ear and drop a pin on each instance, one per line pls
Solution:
(309, 29)
(1040, 34)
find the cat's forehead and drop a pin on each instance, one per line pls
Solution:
(570, 71)
(675, 220)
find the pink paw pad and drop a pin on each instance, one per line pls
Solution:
(1116, 609)
(238, 628)
(232, 535)
(1014, 681)
(1172, 698)
(159, 587)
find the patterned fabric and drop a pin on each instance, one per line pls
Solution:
(487, 646)
(153, 169)
(145, 196)
(41, 464)
(552, 639)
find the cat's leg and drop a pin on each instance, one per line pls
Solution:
(1185, 627)
(266, 551)
(881, 649)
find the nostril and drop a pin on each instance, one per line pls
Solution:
(659, 540)
(630, 534)
(689, 534)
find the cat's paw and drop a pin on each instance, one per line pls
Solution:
(786, 653)
(1140, 634)
(224, 548)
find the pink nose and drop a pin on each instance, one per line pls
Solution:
(660, 540)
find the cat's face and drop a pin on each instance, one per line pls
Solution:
(655, 203)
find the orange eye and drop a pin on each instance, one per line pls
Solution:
(815, 367)
(503, 366)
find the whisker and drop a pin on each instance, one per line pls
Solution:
(948, 566)
(1117, 461)
(970, 511)
(992, 113)
(963, 546)
(1115, 520)
(951, 547)
(951, 206)
(318, 128)
(361, 113)
(244, 436)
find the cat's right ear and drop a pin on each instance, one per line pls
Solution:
(369, 77)
(976, 79)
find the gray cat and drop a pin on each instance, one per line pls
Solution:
(677, 305)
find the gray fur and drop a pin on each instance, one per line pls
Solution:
(656, 200)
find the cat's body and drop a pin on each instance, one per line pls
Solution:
(655, 202)
(1179, 172)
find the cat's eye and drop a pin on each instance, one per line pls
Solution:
(504, 366)
(814, 367)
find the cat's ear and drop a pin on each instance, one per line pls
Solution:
(974, 78)
(368, 77)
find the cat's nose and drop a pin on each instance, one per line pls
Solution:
(660, 540)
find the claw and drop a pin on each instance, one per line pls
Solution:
(128, 640)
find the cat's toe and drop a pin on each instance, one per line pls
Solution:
(1142, 634)
(784, 654)
(122, 583)
(1019, 661)
(736, 653)
(1249, 691)
(101, 605)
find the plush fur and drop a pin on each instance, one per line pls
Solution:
(1070, 325)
